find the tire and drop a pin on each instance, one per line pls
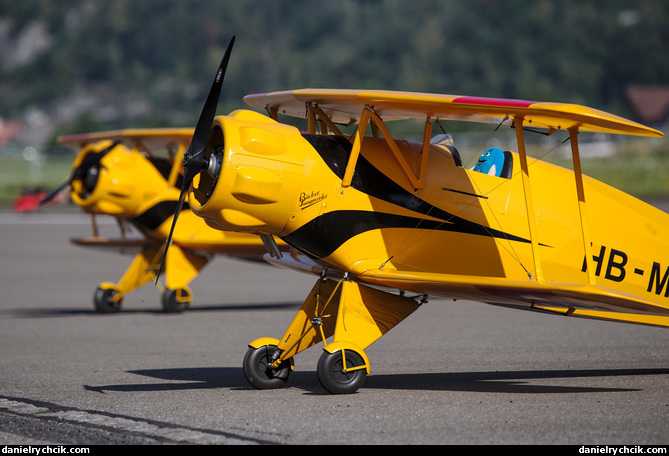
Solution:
(257, 372)
(176, 301)
(103, 300)
(332, 376)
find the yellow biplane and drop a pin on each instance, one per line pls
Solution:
(134, 175)
(384, 223)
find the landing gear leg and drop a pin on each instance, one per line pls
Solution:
(354, 316)
(108, 297)
(180, 268)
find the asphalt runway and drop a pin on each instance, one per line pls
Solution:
(452, 373)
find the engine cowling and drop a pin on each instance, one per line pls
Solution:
(255, 174)
(119, 184)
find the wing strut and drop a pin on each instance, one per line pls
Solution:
(368, 115)
(529, 205)
(177, 165)
(316, 114)
(580, 191)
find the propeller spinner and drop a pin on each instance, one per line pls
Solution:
(194, 159)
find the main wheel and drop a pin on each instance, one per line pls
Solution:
(175, 301)
(257, 368)
(104, 302)
(334, 378)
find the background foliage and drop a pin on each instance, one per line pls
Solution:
(72, 66)
(150, 60)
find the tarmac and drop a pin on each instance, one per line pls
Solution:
(453, 373)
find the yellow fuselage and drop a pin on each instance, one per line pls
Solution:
(275, 180)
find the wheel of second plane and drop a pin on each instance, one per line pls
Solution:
(175, 301)
(105, 298)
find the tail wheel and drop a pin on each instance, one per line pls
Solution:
(335, 378)
(175, 301)
(104, 300)
(258, 370)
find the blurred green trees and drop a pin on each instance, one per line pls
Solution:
(161, 53)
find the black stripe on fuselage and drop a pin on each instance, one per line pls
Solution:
(156, 215)
(324, 234)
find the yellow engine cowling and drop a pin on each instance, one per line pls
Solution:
(255, 176)
(120, 185)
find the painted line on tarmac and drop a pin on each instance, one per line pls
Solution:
(159, 430)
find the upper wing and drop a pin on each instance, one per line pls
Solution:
(345, 106)
(149, 139)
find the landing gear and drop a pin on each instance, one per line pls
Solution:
(181, 267)
(353, 315)
(342, 372)
(175, 301)
(259, 370)
(106, 299)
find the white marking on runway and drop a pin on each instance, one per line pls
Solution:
(120, 423)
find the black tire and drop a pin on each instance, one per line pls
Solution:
(103, 301)
(257, 372)
(332, 376)
(173, 305)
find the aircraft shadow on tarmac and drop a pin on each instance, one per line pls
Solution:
(69, 312)
(510, 382)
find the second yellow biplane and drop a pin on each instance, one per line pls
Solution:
(385, 222)
(134, 175)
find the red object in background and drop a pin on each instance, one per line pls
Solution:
(30, 201)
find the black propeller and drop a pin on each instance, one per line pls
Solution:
(194, 159)
(89, 161)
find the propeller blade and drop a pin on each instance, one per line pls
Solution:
(194, 160)
(52, 194)
(194, 156)
(80, 171)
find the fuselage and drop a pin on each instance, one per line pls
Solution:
(461, 222)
